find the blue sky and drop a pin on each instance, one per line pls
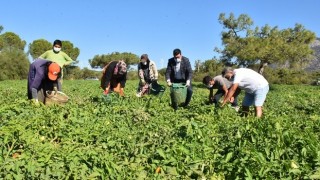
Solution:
(141, 26)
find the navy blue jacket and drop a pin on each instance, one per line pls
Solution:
(185, 67)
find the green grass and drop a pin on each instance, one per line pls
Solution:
(128, 138)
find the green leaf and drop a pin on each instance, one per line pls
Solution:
(94, 175)
(228, 157)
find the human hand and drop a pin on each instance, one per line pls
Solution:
(143, 82)
(106, 91)
(211, 99)
(188, 83)
(121, 92)
(231, 99)
(35, 102)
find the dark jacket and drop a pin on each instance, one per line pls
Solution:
(185, 67)
(110, 79)
(38, 76)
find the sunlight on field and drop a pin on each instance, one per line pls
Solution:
(132, 138)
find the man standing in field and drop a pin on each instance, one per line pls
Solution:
(179, 71)
(222, 85)
(42, 76)
(59, 57)
(254, 84)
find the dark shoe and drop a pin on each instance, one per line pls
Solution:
(174, 106)
(185, 105)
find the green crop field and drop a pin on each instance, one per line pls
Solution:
(132, 138)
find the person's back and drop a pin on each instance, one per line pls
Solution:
(219, 81)
(249, 80)
(114, 76)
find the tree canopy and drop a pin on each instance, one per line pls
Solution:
(11, 40)
(99, 61)
(13, 61)
(245, 45)
(38, 47)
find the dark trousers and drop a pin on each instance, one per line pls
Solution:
(189, 94)
(59, 85)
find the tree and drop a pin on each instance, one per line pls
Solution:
(72, 51)
(38, 47)
(212, 67)
(14, 64)
(10, 40)
(13, 61)
(245, 46)
(198, 65)
(99, 61)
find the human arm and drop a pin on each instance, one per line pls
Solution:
(140, 74)
(67, 58)
(36, 83)
(225, 89)
(123, 80)
(230, 93)
(188, 72)
(168, 73)
(155, 71)
(211, 94)
(44, 55)
(107, 74)
(123, 84)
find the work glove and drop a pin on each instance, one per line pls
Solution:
(188, 83)
(169, 83)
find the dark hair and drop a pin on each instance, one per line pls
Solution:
(206, 80)
(226, 70)
(144, 56)
(176, 52)
(58, 42)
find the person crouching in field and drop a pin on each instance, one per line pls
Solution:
(147, 72)
(222, 85)
(43, 75)
(114, 77)
(254, 84)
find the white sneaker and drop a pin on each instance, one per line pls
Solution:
(236, 108)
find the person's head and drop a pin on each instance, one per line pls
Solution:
(121, 67)
(144, 59)
(177, 54)
(208, 81)
(227, 72)
(57, 44)
(53, 71)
